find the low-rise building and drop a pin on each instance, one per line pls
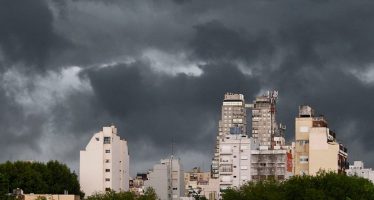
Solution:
(166, 178)
(137, 184)
(198, 183)
(48, 197)
(357, 169)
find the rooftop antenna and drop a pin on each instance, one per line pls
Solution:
(172, 147)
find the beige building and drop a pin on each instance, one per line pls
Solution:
(104, 164)
(48, 197)
(316, 147)
(200, 183)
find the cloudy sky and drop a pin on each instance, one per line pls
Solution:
(158, 69)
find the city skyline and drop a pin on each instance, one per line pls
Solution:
(159, 72)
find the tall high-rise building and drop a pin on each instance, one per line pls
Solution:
(233, 120)
(167, 178)
(269, 152)
(316, 147)
(265, 130)
(104, 164)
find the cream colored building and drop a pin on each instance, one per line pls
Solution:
(104, 164)
(316, 147)
(201, 183)
(49, 197)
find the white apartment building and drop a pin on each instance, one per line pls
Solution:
(357, 169)
(167, 179)
(234, 161)
(104, 164)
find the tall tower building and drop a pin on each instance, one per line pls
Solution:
(265, 130)
(104, 164)
(233, 120)
(316, 147)
(269, 152)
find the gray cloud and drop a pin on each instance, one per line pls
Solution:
(27, 34)
(159, 71)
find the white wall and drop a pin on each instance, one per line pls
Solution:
(93, 163)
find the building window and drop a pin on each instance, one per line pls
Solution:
(107, 179)
(107, 189)
(107, 161)
(106, 140)
(97, 139)
(107, 170)
(107, 151)
(304, 159)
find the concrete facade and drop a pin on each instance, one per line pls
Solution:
(316, 147)
(48, 197)
(233, 120)
(269, 151)
(167, 178)
(358, 169)
(234, 161)
(104, 164)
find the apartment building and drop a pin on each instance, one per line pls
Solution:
(104, 164)
(233, 114)
(358, 169)
(167, 178)
(269, 151)
(316, 146)
(234, 161)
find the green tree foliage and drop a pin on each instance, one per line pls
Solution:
(149, 194)
(324, 186)
(39, 178)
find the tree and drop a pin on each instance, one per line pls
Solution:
(149, 194)
(323, 186)
(35, 177)
(112, 195)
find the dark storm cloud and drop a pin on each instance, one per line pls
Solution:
(215, 42)
(26, 32)
(163, 108)
(20, 132)
(313, 52)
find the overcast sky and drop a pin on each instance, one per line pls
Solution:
(159, 69)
